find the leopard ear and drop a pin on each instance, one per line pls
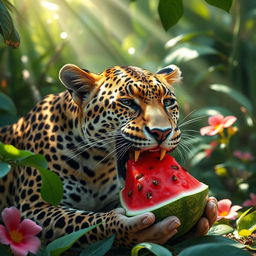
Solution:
(79, 82)
(171, 74)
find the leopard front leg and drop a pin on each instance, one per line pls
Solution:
(57, 221)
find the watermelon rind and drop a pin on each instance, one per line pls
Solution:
(188, 207)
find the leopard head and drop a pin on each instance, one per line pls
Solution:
(126, 110)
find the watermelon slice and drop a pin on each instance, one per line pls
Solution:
(164, 188)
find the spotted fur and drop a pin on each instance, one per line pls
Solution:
(83, 132)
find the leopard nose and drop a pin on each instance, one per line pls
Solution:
(159, 134)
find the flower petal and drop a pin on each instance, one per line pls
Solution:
(224, 205)
(215, 120)
(238, 154)
(253, 197)
(235, 208)
(18, 250)
(29, 227)
(249, 203)
(4, 237)
(31, 243)
(219, 217)
(228, 121)
(11, 218)
(207, 130)
(231, 216)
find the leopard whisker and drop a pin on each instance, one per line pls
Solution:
(193, 120)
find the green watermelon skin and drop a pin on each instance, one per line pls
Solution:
(184, 196)
(194, 203)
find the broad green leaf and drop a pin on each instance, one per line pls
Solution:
(11, 153)
(4, 251)
(170, 11)
(36, 161)
(99, 248)
(4, 169)
(234, 94)
(246, 224)
(9, 5)
(186, 52)
(60, 245)
(154, 248)
(182, 38)
(7, 104)
(7, 118)
(220, 229)
(213, 249)
(7, 28)
(5, 21)
(42, 252)
(52, 188)
(211, 111)
(205, 240)
(222, 4)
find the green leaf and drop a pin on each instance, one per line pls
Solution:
(7, 29)
(7, 118)
(63, 243)
(205, 240)
(220, 229)
(210, 111)
(52, 188)
(246, 224)
(222, 4)
(42, 252)
(4, 169)
(11, 153)
(4, 251)
(99, 248)
(213, 249)
(170, 11)
(186, 52)
(7, 104)
(182, 38)
(234, 94)
(9, 5)
(154, 248)
(36, 161)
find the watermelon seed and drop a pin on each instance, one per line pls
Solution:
(155, 182)
(139, 187)
(139, 176)
(174, 178)
(130, 193)
(149, 195)
(175, 167)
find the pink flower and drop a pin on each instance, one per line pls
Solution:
(244, 156)
(19, 235)
(226, 211)
(251, 202)
(216, 124)
(212, 146)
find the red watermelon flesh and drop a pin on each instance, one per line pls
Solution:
(164, 187)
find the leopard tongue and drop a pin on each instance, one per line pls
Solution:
(137, 154)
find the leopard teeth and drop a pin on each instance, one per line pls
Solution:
(136, 155)
(162, 154)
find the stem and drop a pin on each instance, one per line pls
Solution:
(235, 44)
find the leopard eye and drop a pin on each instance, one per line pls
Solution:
(169, 102)
(129, 103)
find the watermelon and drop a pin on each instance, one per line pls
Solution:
(163, 187)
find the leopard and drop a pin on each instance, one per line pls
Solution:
(87, 133)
